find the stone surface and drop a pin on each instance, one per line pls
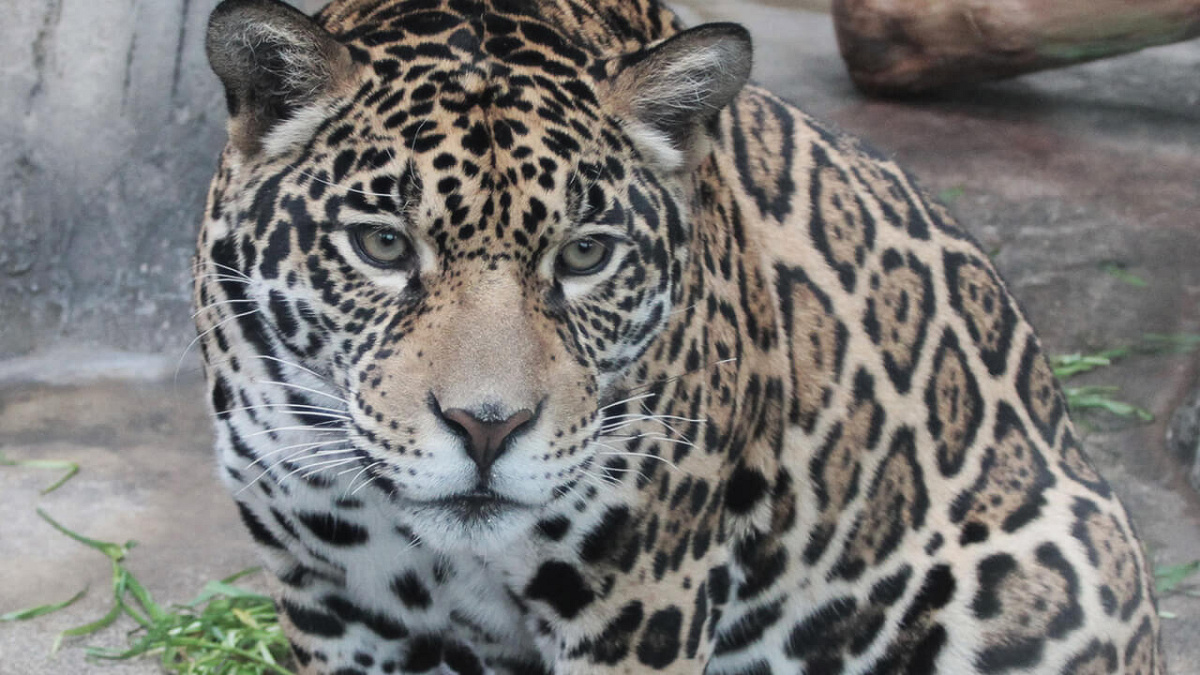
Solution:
(1064, 177)
(1183, 437)
(110, 124)
(147, 474)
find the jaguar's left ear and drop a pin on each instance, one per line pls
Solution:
(273, 61)
(669, 91)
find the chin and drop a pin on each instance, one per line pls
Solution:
(472, 525)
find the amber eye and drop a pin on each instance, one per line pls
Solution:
(585, 256)
(381, 246)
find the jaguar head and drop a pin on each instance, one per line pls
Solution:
(461, 234)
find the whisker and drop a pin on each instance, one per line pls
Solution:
(315, 428)
(365, 193)
(313, 469)
(366, 482)
(330, 416)
(293, 364)
(292, 407)
(308, 389)
(199, 337)
(312, 444)
(672, 378)
(626, 400)
(220, 303)
(626, 453)
(235, 270)
(270, 469)
(611, 481)
(222, 277)
(653, 437)
(655, 417)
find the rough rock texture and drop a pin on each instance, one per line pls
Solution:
(1183, 437)
(110, 123)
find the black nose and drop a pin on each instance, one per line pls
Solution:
(485, 433)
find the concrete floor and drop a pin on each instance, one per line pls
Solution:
(1061, 175)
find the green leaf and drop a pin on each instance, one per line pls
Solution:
(951, 195)
(216, 588)
(1168, 579)
(115, 552)
(34, 612)
(1083, 398)
(71, 468)
(89, 628)
(1176, 343)
(1118, 271)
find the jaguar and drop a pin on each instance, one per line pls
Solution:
(539, 340)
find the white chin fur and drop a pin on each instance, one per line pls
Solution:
(445, 531)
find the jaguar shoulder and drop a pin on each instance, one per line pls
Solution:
(537, 341)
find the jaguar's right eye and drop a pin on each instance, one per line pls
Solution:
(381, 246)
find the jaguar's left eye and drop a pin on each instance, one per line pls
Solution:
(382, 246)
(584, 256)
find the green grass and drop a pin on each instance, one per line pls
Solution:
(1101, 397)
(70, 469)
(951, 195)
(1090, 398)
(1176, 580)
(225, 630)
(1118, 272)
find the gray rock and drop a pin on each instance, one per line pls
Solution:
(1183, 436)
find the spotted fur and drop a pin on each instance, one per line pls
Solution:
(794, 424)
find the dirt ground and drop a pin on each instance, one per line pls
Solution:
(1080, 182)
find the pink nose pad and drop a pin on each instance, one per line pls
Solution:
(486, 440)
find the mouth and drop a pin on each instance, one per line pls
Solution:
(476, 505)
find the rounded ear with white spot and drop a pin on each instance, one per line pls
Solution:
(669, 91)
(273, 61)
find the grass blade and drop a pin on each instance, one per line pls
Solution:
(115, 552)
(1168, 579)
(41, 610)
(71, 468)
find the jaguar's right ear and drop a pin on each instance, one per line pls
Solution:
(273, 61)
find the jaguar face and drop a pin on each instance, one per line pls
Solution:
(476, 255)
(503, 297)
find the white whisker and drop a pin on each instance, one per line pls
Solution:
(646, 455)
(220, 303)
(271, 468)
(314, 428)
(626, 400)
(291, 407)
(366, 482)
(308, 389)
(235, 270)
(312, 444)
(313, 469)
(199, 337)
(222, 277)
(314, 373)
(653, 437)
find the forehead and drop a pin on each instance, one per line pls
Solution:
(438, 83)
(474, 118)
(483, 133)
(430, 66)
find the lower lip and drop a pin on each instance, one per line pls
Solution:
(476, 505)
